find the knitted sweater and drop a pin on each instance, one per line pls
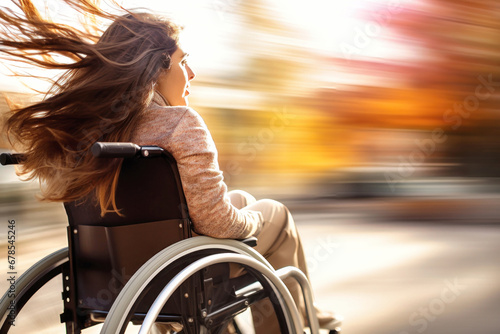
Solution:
(182, 132)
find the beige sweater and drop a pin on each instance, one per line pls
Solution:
(183, 133)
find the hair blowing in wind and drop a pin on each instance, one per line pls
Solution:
(108, 80)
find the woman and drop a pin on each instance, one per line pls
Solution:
(132, 84)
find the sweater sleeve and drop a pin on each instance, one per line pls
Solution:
(212, 214)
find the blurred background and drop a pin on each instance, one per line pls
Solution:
(376, 122)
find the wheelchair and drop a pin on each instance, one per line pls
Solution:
(144, 266)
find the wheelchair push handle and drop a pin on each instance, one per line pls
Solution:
(115, 150)
(11, 158)
(99, 150)
(124, 150)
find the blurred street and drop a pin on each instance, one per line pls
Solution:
(404, 277)
(385, 276)
(376, 122)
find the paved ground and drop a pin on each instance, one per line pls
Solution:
(401, 278)
(385, 276)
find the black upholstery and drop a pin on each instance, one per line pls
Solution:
(148, 190)
(106, 251)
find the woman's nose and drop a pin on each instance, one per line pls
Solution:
(191, 74)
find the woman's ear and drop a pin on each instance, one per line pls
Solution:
(167, 60)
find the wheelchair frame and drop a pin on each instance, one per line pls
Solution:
(198, 315)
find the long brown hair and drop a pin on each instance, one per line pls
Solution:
(109, 80)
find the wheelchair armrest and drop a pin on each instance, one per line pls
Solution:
(252, 241)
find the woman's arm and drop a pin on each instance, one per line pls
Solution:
(212, 214)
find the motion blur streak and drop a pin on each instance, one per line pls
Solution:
(377, 122)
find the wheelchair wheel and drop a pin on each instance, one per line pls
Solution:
(221, 251)
(29, 283)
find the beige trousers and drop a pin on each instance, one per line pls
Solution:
(280, 244)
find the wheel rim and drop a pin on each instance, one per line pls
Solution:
(120, 312)
(280, 290)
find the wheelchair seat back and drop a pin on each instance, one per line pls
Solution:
(106, 251)
(149, 189)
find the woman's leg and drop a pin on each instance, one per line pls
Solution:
(240, 198)
(279, 242)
